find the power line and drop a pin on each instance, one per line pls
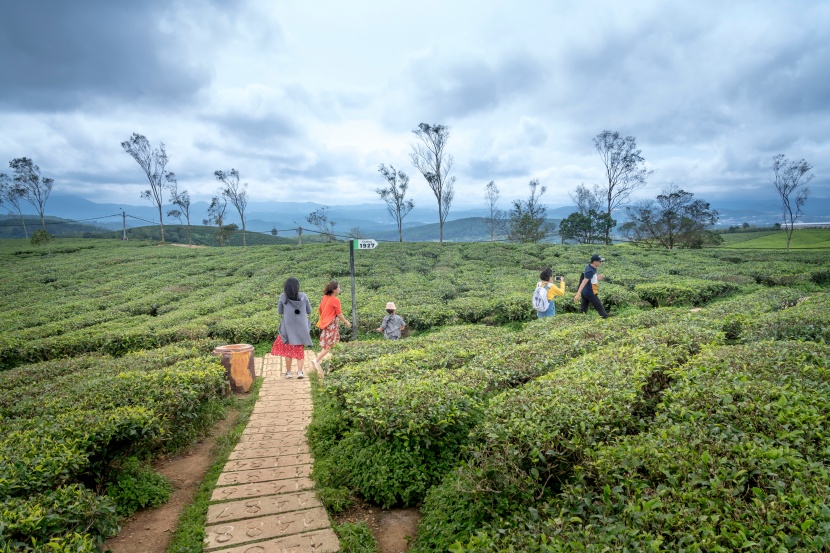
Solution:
(64, 222)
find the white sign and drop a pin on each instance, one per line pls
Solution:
(365, 244)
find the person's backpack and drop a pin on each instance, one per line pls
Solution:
(540, 298)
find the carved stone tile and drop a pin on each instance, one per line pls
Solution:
(262, 475)
(321, 541)
(261, 506)
(270, 526)
(241, 491)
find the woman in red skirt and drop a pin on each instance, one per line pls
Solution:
(329, 313)
(293, 334)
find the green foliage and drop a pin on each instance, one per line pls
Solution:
(69, 518)
(808, 238)
(355, 537)
(681, 291)
(190, 531)
(735, 459)
(496, 429)
(77, 424)
(137, 486)
(40, 237)
(335, 500)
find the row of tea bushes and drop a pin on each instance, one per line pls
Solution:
(533, 437)
(68, 426)
(735, 459)
(394, 417)
(114, 297)
(391, 426)
(525, 492)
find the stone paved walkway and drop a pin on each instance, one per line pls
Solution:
(264, 500)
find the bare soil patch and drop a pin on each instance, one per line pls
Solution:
(150, 531)
(394, 529)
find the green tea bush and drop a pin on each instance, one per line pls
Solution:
(41, 453)
(137, 486)
(686, 291)
(735, 459)
(70, 517)
(809, 320)
(534, 438)
(355, 537)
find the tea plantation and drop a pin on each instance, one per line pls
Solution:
(663, 428)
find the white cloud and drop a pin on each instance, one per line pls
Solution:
(306, 99)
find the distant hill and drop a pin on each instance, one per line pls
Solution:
(206, 236)
(373, 218)
(11, 227)
(470, 229)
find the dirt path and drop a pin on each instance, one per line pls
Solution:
(150, 531)
(393, 530)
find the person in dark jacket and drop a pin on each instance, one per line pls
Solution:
(589, 287)
(294, 328)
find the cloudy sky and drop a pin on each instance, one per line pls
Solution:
(307, 98)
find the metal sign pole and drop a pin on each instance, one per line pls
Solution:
(354, 301)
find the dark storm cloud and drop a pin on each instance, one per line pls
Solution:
(59, 55)
(467, 87)
(254, 129)
(490, 168)
(794, 80)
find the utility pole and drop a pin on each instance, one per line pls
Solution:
(354, 301)
(124, 222)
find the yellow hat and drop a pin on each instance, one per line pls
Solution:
(390, 305)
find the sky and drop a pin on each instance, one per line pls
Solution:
(306, 99)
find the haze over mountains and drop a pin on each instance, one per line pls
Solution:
(373, 219)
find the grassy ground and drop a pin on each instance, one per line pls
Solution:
(813, 238)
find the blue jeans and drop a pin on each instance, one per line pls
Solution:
(550, 312)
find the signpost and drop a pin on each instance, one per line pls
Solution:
(365, 244)
(360, 245)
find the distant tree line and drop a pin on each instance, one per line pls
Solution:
(673, 219)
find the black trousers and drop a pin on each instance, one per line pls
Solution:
(594, 300)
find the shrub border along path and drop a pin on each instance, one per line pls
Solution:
(264, 499)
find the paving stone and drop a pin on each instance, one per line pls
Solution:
(243, 453)
(277, 427)
(321, 541)
(264, 500)
(260, 506)
(278, 407)
(265, 419)
(298, 441)
(271, 436)
(270, 526)
(262, 475)
(283, 403)
(268, 463)
(262, 488)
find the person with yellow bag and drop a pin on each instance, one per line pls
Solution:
(330, 311)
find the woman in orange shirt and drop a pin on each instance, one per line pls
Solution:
(329, 313)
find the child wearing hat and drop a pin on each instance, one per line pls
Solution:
(392, 323)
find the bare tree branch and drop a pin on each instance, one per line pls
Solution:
(394, 195)
(235, 193)
(435, 164)
(154, 164)
(624, 169)
(788, 177)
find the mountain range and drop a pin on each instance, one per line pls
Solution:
(373, 220)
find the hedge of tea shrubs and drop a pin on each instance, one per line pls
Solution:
(103, 364)
(493, 428)
(71, 429)
(114, 297)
